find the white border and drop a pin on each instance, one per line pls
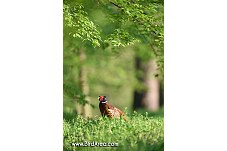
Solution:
(195, 75)
(31, 75)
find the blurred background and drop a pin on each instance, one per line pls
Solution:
(109, 52)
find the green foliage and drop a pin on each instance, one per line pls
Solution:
(81, 26)
(121, 38)
(134, 20)
(139, 132)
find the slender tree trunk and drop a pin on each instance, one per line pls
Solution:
(85, 110)
(147, 98)
(151, 98)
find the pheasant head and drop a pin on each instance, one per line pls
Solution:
(102, 99)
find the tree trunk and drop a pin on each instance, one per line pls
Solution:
(149, 97)
(85, 110)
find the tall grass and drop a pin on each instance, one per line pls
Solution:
(138, 133)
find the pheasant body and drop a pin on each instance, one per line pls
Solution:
(108, 110)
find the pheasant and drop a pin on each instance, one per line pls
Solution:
(108, 110)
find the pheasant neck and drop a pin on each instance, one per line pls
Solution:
(103, 102)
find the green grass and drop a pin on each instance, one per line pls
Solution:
(138, 133)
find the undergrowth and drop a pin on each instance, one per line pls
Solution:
(138, 133)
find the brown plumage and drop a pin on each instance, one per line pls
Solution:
(108, 110)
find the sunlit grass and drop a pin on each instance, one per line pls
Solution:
(139, 132)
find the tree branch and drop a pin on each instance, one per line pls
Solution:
(115, 4)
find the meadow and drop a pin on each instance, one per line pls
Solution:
(141, 132)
